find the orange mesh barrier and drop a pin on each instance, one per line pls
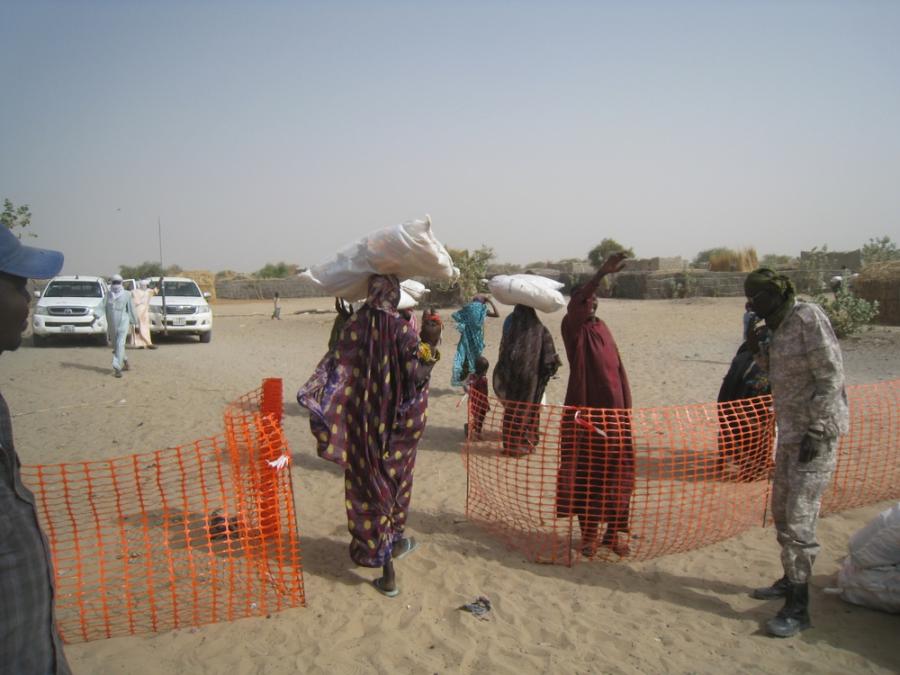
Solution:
(185, 536)
(657, 480)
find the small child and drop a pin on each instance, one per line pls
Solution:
(478, 404)
(276, 311)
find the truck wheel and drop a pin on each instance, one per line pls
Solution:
(206, 337)
(102, 340)
(38, 340)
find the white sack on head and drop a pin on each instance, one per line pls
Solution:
(406, 250)
(528, 289)
(414, 288)
(406, 300)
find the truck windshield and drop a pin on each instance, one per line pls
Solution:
(73, 289)
(184, 289)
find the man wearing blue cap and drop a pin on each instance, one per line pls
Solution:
(29, 641)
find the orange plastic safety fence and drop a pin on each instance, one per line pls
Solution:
(561, 484)
(185, 536)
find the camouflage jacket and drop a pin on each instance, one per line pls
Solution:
(806, 372)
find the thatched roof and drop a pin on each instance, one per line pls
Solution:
(885, 271)
(881, 282)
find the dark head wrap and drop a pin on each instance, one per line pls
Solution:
(384, 293)
(765, 279)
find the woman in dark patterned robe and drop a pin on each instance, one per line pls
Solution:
(527, 361)
(367, 401)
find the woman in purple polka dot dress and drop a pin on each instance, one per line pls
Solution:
(367, 401)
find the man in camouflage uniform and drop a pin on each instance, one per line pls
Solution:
(806, 372)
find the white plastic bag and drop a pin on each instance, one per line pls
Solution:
(406, 300)
(878, 543)
(406, 250)
(414, 289)
(875, 587)
(528, 289)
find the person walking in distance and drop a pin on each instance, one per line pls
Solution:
(120, 316)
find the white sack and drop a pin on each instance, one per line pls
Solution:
(875, 587)
(406, 300)
(878, 543)
(415, 289)
(406, 250)
(528, 289)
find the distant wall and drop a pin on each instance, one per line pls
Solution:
(675, 264)
(265, 289)
(837, 259)
(695, 283)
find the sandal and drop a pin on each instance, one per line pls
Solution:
(409, 545)
(378, 584)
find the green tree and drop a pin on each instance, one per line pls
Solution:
(14, 217)
(143, 271)
(472, 268)
(279, 270)
(880, 250)
(604, 249)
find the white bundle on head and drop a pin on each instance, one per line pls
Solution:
(405, 250)
(531, 290)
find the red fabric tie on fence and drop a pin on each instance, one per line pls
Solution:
(649, 482)
(186, 536)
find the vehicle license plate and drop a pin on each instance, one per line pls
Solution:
(67, 329)
(178, 321)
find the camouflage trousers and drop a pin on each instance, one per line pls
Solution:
(796, 497)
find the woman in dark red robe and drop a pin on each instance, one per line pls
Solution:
(596, 474)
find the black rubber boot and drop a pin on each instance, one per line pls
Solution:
(794, 616)
(776, 590)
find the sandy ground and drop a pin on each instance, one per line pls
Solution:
(682, 613)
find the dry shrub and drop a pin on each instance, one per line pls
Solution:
(728, 260)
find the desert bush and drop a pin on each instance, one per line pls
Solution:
(472, 269)
(848, 314)
(702, 258)
(880, 250)
(728, 260)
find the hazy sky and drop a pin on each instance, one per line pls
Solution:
(268, 131)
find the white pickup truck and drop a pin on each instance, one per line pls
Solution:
(70, 306)
(186, 309)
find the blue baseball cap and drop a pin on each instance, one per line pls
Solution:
(27, 261)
